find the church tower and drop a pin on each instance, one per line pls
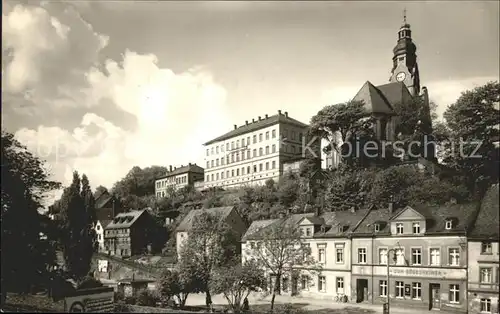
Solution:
(405, 68)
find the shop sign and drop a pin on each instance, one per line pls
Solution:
(413, 272)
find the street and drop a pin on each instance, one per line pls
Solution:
(309, 304)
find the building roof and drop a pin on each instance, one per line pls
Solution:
(183, 169)
(347, 220)
(125, 220)
(382, 98)
(487, 221)
(133, 280)
(435, 217)
(395, 93)
(256, 226)
(257, 125)
(373, 99)
(187, 223)
(104, 214)
(103, 199)
(330, 221)
(105, 222)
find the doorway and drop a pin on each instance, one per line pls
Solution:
(434, 296)
(361, 290)
(295, 285)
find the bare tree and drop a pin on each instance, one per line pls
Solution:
(281, 251)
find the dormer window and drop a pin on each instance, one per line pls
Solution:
(340, 228)
(399, 228)
(448, 224)
(416, 227)
(377, 227)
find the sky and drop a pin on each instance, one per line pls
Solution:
(100, 87)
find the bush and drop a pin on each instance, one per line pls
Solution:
(130, 300)
(147, 298)
(119, 296)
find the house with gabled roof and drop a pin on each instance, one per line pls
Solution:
(426, 248)
(328, 237)
(483, 255)
(129, 233)
(229, 214)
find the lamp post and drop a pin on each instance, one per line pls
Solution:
(386, 308)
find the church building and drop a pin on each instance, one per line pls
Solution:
(383, 101)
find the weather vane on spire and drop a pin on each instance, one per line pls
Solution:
(404, 15)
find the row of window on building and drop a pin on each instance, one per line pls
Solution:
(236, 172)
(416, 256)
(170, 181)
(236, 144)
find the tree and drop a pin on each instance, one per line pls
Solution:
(348, 187)
(236, 282)
(473, 122)
(281, 251)
(100, 190)
(176, 283)
(89, 204)
(26, 258)
(211, 243)
(77, 222)
(347, 126)
(287, 190)
(407, 185)
(136, 184)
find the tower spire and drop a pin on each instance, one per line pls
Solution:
(404, 16)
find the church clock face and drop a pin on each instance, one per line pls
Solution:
(401, 76)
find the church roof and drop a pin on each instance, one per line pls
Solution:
(374, 100)
(396, 93)
(382, 98)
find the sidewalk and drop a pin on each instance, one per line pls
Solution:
(312, 304)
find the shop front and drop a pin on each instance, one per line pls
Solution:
(416, 287)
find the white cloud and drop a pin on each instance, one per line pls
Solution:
(175, 113)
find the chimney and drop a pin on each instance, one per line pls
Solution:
(282, 215)
(235, 126)
(279, 111)
(453, 200)
(246, 122)
(253, 120)
(133, 276)
(318, 211)
(353, 209)
(289, 211)
(170, 168)
(286, 114)
(391, 207)
(189, 164)
(260, 118)
(266, 116)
